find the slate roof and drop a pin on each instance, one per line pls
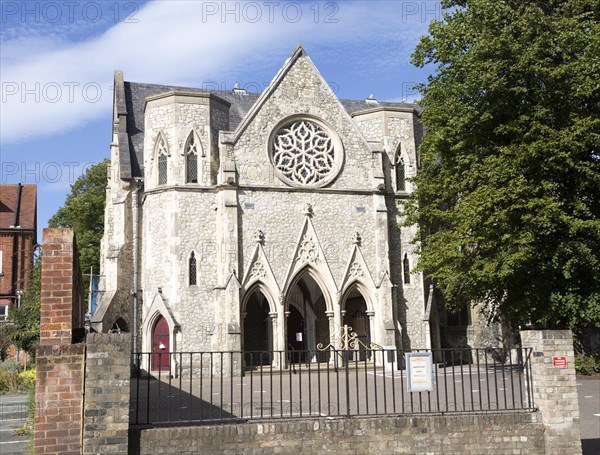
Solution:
(27, 216)
(136, 94)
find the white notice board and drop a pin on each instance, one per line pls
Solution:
(419, 371)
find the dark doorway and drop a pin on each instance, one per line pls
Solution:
(161, 347)
(356, 317)
(258, 334)
(296, 338)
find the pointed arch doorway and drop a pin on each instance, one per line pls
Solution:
(258, 330)
(307, 323)
(355, 315)
(161, 345)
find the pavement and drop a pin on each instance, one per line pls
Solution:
(13, 414)
(588, 390)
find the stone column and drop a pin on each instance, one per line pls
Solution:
(371, 317)
(285, 346)
(554, 389)
(274, 338)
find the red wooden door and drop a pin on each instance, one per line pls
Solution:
(161, 357)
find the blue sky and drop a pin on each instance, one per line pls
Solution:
(57, 60)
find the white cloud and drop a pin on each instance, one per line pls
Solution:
(49, 85)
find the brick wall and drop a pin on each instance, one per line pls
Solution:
(61, 311)
(17, 238)
(106, 409)
(555, 389)
(58, 398)
(495, 433)
(59, 362)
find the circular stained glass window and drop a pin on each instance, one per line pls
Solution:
(304, 153)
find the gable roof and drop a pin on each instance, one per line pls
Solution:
(23, 201)
(135, 95)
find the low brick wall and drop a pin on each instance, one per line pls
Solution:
(59, 399)
(469, 434)
(107, 380)
(555, 389)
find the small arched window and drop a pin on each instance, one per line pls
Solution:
(400, 174)
(406, 269)
(191, 159)
(192, 269)
(162, 160)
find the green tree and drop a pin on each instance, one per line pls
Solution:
(508, 193)
(84, 212)
(23, 330)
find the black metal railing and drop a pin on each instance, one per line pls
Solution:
(219, 387)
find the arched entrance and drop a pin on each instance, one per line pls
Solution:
(161, 346)
(355, 316)
(307, 323)
(258, 330)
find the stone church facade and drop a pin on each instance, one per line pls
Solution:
(253, 222)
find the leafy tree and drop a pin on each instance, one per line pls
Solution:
(508, 194)
(84, 212)
(24, 328)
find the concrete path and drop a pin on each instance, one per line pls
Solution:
(13, 414)
(588, 390)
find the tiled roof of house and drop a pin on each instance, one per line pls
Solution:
(26, 217)
(136, 94)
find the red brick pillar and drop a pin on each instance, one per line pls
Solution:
(60, 360)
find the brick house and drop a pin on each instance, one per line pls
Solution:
(18, 226)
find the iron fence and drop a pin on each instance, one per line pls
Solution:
(221, 387)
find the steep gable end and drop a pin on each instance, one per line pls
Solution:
(299, 92)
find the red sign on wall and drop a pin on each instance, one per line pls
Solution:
(559, 362)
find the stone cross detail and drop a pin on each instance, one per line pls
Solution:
(259, 236)
(308, 209)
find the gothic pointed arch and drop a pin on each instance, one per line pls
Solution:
(258, 326)
(399, 164)
(159, 309)
(192, 268)
(193, 153)
(406, 269)
(358, 276)
(161, 154)
(309, 258)
(259, 274)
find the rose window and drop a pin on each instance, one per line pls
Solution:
(304, 153)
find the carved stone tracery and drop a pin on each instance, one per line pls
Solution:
(304, 153)
(355, 271)
(258, 270)
(308, 251)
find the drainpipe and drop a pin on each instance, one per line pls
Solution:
(15, 253)
(136, 245)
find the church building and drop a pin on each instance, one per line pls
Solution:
(240, 221)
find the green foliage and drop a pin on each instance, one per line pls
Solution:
(23, 330)
(84, 212)
(14, 379)
(587, 365)
(4, 343)
(9, 381)
(27, 379)
(508, 194)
